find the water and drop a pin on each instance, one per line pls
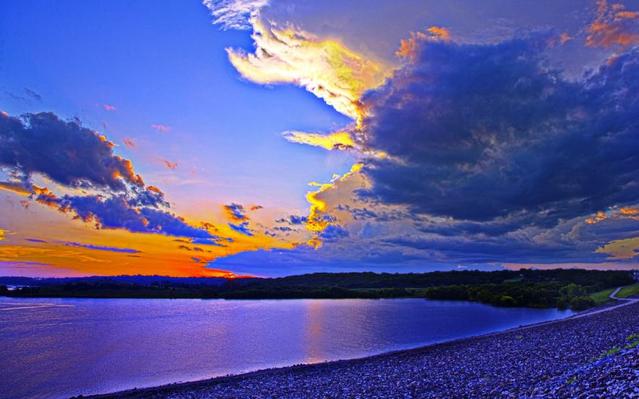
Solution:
(53, 348)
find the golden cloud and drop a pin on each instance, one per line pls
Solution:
(325, 67)
(621, 249)
(333, 141)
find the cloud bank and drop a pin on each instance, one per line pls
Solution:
(481, 132)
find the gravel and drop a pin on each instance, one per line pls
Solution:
(584, 357)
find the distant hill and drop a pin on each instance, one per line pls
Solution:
(531, 288)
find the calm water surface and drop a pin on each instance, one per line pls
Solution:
(61, 347)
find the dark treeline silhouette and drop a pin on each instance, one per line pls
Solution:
(561, 288)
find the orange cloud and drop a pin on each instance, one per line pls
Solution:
(408, 47)
(564, 38)
(129, 143)
(629, 211)
(598, 217)
(613, 26)
(614, 213)
(14, 187)
(169, 164)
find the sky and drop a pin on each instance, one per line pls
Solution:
(232, 138)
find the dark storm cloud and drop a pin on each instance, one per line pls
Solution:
(482, 132)
(64, 151)
(77, 157)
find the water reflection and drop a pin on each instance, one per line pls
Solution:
(65, 347)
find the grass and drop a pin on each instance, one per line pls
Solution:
(601, 297)
(628, 290)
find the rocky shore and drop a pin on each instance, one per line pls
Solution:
(596, 356)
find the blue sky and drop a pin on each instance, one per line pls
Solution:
(295, 108)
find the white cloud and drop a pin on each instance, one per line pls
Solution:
(234, 14)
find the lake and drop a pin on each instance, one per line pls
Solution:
(54, 348)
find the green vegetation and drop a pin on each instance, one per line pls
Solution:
(575, 289)
(628, 291)
(633, 342)
(543, 294)
(601, 297)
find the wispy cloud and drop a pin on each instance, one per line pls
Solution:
(160, 127)
(169, 165)
(234, 14)
(102, 248)
(129, 142)
(28, 95)
(108, 107)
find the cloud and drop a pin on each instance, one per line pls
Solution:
(108, 107)
(293, 220)
(235, 212)
(169, 164)
(613, 26)
(64, 151)
(234, 14)
(102, 248)
(409, 48)
(28, 95)
(621, 249)
(242, 228)
(326, 68)
(480, 132)
(129, 143)
(162, 128)
(119, 212)
(32, 94)
(332, 141)
(77, 157)
(327, 197)
(15, 187)
(333, 233)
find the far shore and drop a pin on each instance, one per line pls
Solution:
(543, 352)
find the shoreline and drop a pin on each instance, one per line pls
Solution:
(425, 350)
